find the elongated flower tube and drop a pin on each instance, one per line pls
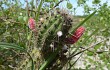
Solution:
(31, 24)
(78, 33)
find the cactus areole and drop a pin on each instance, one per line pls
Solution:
(77, 34)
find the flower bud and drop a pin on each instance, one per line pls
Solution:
(31, 24)
(78, 33)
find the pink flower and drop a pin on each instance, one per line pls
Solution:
(78, 33)
(31, 24)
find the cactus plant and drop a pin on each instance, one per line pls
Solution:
(43, 36)
(47, 40)
(47, 34)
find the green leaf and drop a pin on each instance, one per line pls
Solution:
(90, 60)
(48, 0)
(88, 66)
(97, 46)
(2, 30)
(72, 30)
(10, 45)
(25, 18)
(39, 7)
(29, 36)
(56, 1)
(96, 1)
(81, 1)
(32, 61)
(69, 6)
(20, 18)
(108, 66)
(51, 6)
(90, 53)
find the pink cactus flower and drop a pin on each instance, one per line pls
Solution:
(32, 24)
(78, 33)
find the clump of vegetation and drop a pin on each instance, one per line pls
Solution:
(46, 37)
